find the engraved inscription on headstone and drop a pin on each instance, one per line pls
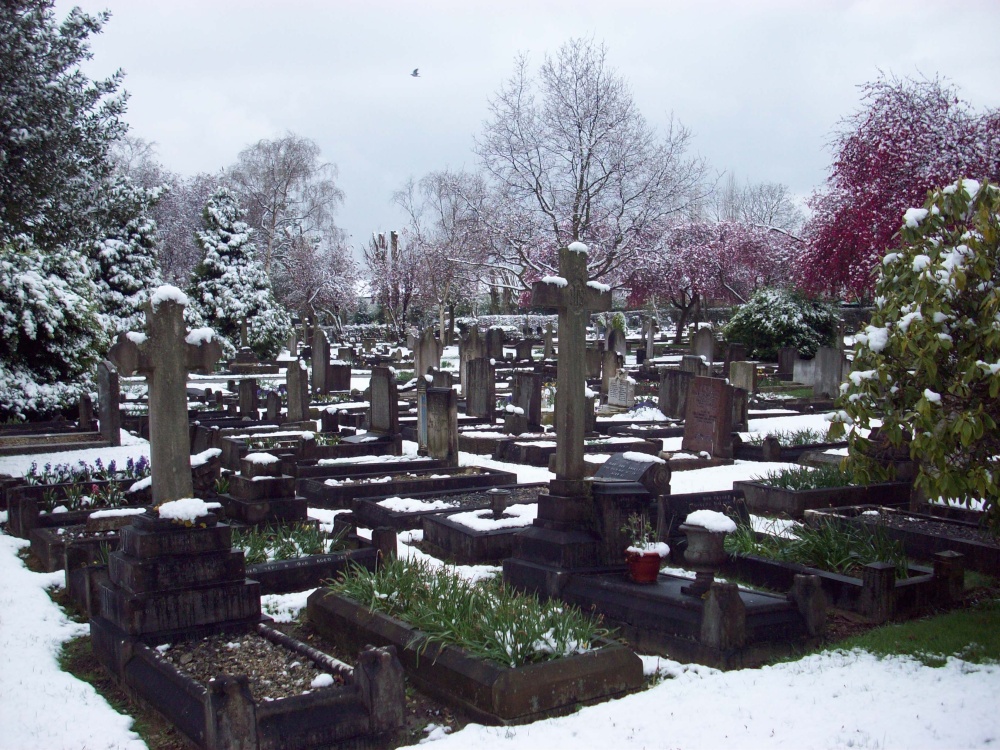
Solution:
(708, 422)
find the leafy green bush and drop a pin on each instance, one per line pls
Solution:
(928, 365)
(776, 318)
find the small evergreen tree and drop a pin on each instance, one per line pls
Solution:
(229, 284)
(776, 318)
(124, 261)
(928, 365)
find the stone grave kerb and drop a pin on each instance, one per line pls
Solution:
(575, 298)
(164, 356)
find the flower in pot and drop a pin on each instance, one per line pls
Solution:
(706, 534)
(643, 554)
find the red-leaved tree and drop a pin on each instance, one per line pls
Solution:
(908, 137)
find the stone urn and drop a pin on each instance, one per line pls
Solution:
(499, 500)
(704, 555)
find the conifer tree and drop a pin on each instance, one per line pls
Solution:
(229, 284)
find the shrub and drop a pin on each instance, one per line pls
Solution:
(928, 365)
(776, 318)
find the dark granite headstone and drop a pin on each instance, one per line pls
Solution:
(108, 402)
(480, 389)
(708, 421)
(673, 393)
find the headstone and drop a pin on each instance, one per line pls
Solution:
(831, 369)
(164, 355)
(575, 302)
(422, 386)
(345, 354)
(338, 376)
(320, 359)
(293, 343)
(471, 347)
(480, 389)
(442, 425)
(383, 417)
(494, 343)
(442, 379)
(244, 338)
(548, 348)
(297, 384)
(695, 365)
(85, 418)
(621, 391)
(108, 402)
(611, 362)
(673, 393)
(367, 343)
(427, 354)
(649, 333)
(248, 398)
(741, 409)
(526, 394)
(653, 475)
(786, 360)
(593, 359)
(617, 343)
(735, 352)
(522, 350)
(708, 421)
(273, 406)
(703, 344)
(743, 375)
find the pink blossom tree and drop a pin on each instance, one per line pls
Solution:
(908, 136)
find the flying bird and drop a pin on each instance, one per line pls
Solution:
(416, 73)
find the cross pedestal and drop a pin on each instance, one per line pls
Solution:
(563, 535)
(164, 356)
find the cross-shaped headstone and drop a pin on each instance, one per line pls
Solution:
(165, 355)
(575, 298)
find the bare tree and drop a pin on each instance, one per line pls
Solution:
(286, 191)
(444, 232)
(321, 280)
(573, 159)
(761, 204)
(393, 271)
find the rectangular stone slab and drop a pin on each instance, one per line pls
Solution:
(140, 575)
(138, 614)
(180, 541)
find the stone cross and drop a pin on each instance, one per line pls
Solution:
(165, 355)
(575, 299)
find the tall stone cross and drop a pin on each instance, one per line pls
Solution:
(165, 355)
(575, 299)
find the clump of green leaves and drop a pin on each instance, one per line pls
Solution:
(826, 546)
(776, 318)
(928, 365)
(806, 478)
(485, 617)
(790, 438)
(285, 542)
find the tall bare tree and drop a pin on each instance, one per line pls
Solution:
(759, 204)
(287, 192)
(444, 231)
(572, 158)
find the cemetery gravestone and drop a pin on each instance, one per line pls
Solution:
(320, 360)
(471, 347)
(743, 375)
(297, 384)
(273, 406)
(164, 356)
(480, 389)
(383, 416)
(708, 421)
(522, 351)
(108, 402)
(621, 391)
(338, 376)
(695, 365)
(427, 354)
(673, 393)
(494, 343)
(735, 352)
(248, 398)
(786, 360)
(442, 425)
(526, 393)
(592, 362)
(548, 348)
(617, 342)
(831, 369)
(703, 344)
(611, 363)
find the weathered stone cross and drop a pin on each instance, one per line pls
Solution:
(164, 356)
(575, 298)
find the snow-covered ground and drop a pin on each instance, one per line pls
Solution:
(830, 700)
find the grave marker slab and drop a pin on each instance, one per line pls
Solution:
(108, 402)
(708, 421)
(320, 360)
(621, 391)
(479, 386)
(703, 344)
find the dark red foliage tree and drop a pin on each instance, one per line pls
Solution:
(909, 137)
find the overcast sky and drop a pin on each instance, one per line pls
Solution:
(762, 85)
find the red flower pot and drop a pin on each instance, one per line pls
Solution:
(643, 567)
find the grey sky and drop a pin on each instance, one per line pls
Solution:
(762, 85)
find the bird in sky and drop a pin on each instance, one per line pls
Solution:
(416, 73)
